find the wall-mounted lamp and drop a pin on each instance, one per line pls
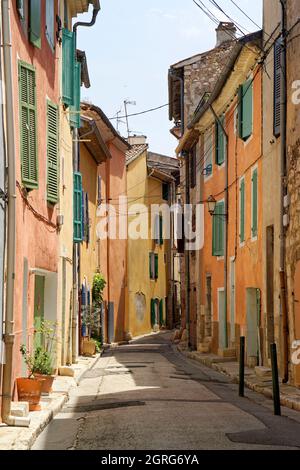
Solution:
(211, 202)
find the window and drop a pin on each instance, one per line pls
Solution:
(208, 155)
(277, 87)
(28, 125)
(193, 166)
(77, 208)
(35, 23)
(161, 312)
(50, 23)
(85, 217)
(218, 229)
(245, 117)
(220, 142)
(153, 266)
(165, 191)
(158, 229)
(242, 210)
(68, 62)
(52, 154)
(75, 108)
(21, 8)
(254, 224)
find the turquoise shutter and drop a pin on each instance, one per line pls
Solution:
(77, 208)
(242, 211)
(254, 204)
(52, 154)
(161, 312)
(220, 142)
(277, 87)
(28, 125)
(35, 23)
(68, 65)
(75, 109)
(156, 266)
(50, 22)
(20, 8)
(153, 319)
(246, 110)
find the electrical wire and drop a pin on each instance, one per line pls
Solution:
(238, 26)
(245, 14)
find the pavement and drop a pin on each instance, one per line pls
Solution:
(20, 438)
(147, 395)
(289, 395)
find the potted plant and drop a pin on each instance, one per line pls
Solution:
(43, 367)
(29, 388)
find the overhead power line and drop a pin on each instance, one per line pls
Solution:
(245, 14)
(141, 112)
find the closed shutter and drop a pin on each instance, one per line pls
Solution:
(254, 204)
(28, 125)
(242, 211)
(246, 109)
(35, 23)
(21, 9)
(153, 316)
(87, 217)
(277, 87)
(156, 266)
(220, 142)
(150, 266)
(50, 23)
(83, 213)
(75, 108)
(161, 312)
(52, 153)
(161, 230)
(68, 61)
(218, 230)
(77, 215)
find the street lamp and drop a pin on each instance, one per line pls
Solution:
(212, 203)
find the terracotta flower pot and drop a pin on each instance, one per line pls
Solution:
(46, 381)
(88, 347)
(30, 390)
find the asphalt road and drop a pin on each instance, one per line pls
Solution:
(146, 395)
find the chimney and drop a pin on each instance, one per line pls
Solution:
(137, 140)
(225, 32)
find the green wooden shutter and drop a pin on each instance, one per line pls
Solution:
(218, 230)
(277, 87)
(20, 8)
(153, 316)
(220, 142)
(156, 266)
(52, 153)
(161, 230)
(161, 312)
(50, 23)
(35, 23)
(68, 67)
(242, 211)
(75, 109)
(28, 125)
(254, 204)
(77, 214)
(150, 266)
(246, 109)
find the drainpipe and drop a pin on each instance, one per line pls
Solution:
(9, 336)
(76, 247)
(187, 253)
(283, 192)
(225, 215)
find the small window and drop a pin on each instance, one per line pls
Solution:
(220, 142)
(50, 23)
(208, 155)
(245, 117)
(254, 225)
(165, 191)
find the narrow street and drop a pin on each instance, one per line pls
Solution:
(146, 395)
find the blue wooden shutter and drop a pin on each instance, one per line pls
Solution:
(35, 23)
(28, 125)
(242, 211)
(52, 153)
(75, 108)
(68, 64)
(77, 215)
(254, 204)
(277, 87)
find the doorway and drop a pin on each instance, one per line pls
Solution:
(232, 302)
(208, 319)
(270, 286)
(253, 323)
(39, 308)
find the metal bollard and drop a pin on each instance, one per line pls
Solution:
(275, 380)
(242, 367)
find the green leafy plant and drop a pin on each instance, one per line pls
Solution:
(47, 330)
(38, 362)
(97, 344)
(99, 284)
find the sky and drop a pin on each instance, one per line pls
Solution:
(131, 47)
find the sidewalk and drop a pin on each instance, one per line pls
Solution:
(289, 396)
(20, 438)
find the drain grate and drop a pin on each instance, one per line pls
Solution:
(101, 406)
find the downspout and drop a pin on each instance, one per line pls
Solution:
(225, 215)
(283, 192)
(187, 253)
(76, 166)
(9, 336)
